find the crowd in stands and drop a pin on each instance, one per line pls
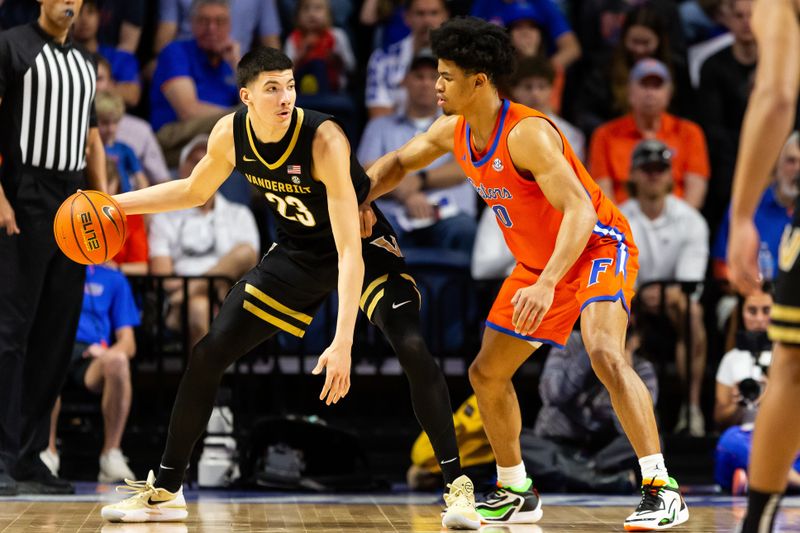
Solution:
(650, 94)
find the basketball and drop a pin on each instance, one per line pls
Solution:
(90, 227)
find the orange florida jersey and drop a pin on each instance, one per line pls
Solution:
(529, 222)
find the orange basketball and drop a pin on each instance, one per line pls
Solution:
(90, 227)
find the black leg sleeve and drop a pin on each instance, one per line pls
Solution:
(429, 394)
(234, 332)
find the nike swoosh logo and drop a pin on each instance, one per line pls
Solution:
(245, 158)
(106, 209)
(395, 306)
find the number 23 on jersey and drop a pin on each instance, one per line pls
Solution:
(301, 213)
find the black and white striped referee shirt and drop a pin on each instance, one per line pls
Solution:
(47, 107)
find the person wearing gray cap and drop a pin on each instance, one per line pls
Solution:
(649, 93)
(673, 246)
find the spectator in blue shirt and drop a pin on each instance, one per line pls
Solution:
(124, 65)
(110, 109)
(562, 41)
(436, 206)
(387, 19)
(248, 18)
(104, 345)
(194, 83)
(386, 69)
(774, 211)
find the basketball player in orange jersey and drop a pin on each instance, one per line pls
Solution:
(767, 123)
(575, 257)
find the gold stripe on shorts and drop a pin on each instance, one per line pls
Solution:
(408, 277)
(414, 283)
(275, 304)
(370, 289)
(785, 313)
(372, 305)
(784, 334)
(275, 321)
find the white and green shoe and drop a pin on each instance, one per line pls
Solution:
(511, 505)
(661, 507)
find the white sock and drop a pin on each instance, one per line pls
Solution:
(511, 476)
(653, 466)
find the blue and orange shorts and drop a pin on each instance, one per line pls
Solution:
(604, 272)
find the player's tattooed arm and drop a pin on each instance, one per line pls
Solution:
(535, 146)
(387, 172)
(331, 156)
(205, 179)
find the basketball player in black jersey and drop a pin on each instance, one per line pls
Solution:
(301, 161)
(767, 123)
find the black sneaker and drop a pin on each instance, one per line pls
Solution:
(39, 480)
(511, 505)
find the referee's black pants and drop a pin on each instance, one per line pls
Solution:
(41, 293)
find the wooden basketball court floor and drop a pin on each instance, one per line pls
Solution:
(213, 512)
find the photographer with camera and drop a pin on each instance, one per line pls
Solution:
(741, 381)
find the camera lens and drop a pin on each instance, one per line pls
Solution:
(750, 389)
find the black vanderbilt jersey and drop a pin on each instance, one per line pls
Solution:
(282, 172)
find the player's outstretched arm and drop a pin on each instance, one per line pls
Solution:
(766, 125)
(205, 179)
(535, 146)
(387, 172)
(331, 155)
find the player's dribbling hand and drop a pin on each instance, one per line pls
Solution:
(743, 244)
(336, 362)
(530, 306)
(367, 219)
(7, 218)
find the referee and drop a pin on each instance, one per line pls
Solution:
(50, 147)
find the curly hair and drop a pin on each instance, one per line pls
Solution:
(475, 45)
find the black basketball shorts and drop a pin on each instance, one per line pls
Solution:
(785, 319)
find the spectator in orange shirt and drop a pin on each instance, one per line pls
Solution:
(649, 93)
(133, 256)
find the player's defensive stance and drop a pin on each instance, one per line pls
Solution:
(575, 257)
